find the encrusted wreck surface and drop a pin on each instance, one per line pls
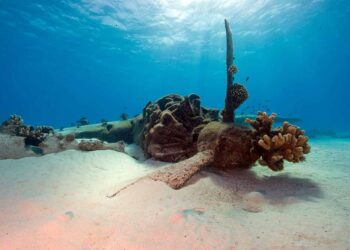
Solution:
(225, 145)
(107, 131)
(232, 145)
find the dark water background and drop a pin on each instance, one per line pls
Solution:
(63, 59)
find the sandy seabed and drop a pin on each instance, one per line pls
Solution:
(59, 201)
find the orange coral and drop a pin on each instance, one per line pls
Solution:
(284, 143)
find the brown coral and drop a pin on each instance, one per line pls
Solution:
(262, 123)
(13, 120)
(32, 135)
(275, 145)
(239, 95)
(171, 126)
(235, 96)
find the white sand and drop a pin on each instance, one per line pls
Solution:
(59, 201)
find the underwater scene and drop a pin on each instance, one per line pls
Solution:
(174, 124)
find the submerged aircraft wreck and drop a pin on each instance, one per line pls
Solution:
(178, 129)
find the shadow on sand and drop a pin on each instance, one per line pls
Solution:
(277, 188)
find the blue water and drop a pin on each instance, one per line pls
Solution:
(63, 59)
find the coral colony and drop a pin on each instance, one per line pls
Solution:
(178, 129)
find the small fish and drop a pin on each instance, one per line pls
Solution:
(247, 79)
(36, 150)
(82, 121)
(124, 116)
(104, 122)
(69, 214)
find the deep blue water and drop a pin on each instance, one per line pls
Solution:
(63, 59)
